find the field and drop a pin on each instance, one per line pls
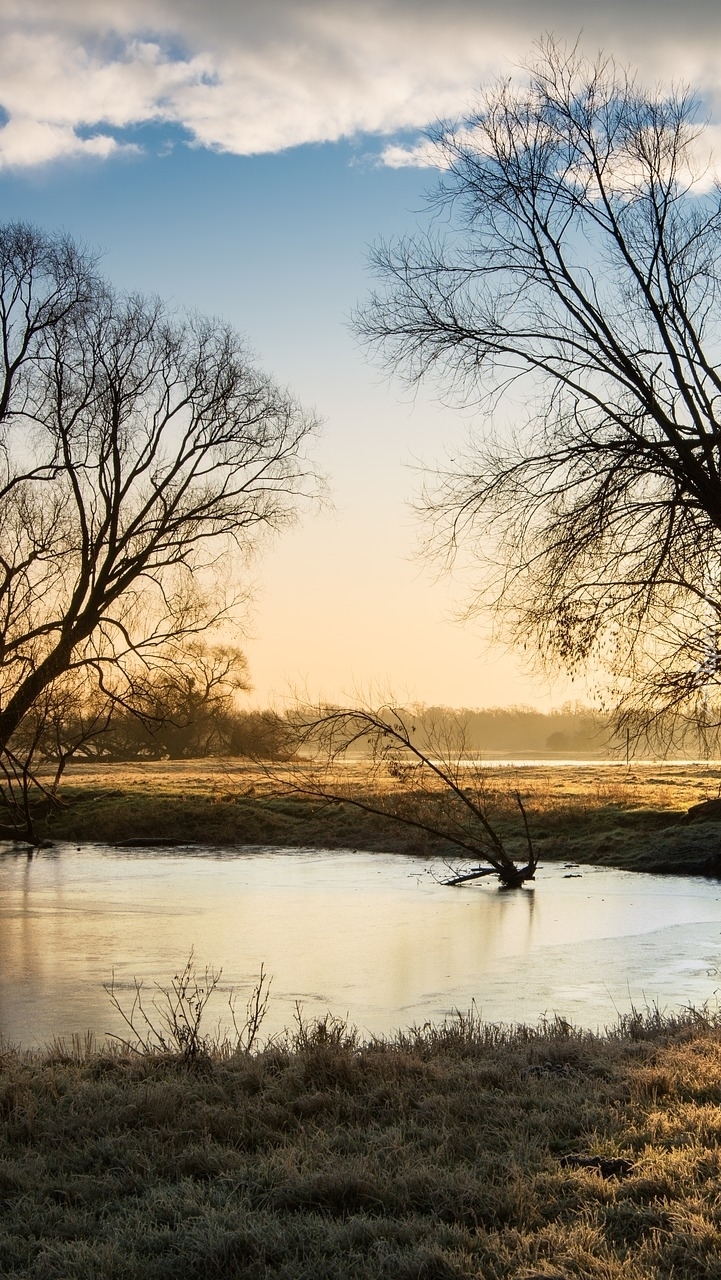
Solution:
(450, 1153)
(608, 814)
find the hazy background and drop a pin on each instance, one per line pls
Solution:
(239, 158)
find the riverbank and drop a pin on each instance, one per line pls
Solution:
(609, 815)
(455, 1152)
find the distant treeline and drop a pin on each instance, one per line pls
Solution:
(195, 717)
(213, 732)
(196, 728)
(187, 708)
(195, 714)
(576, 730)
(572, 729)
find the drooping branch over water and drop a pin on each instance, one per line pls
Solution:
(418, 773)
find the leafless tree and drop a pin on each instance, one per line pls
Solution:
(182, 707)
(384, 762)
(175, 709)
(142, 456)
(571, 279)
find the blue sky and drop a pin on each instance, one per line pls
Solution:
(278, 245)
(239, 159)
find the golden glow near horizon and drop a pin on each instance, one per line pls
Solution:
(341, 613)
(346, 605)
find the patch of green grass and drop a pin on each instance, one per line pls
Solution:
(227, 819)
(434, 1156)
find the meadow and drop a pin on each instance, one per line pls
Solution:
(615, 815)
(446, 1153)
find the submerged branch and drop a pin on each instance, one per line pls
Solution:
(469, 875)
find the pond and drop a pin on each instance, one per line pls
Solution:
(370, 936)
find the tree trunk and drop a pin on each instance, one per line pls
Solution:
(56, 662)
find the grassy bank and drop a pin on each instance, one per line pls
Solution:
(613, 815)
(435, 1156)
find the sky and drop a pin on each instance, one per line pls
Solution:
(239, 157)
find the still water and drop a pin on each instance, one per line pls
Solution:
(371, 936)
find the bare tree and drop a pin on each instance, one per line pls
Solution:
(385, 762)
(573, 280)
(179, 707)
(178, 710)
(142, 456)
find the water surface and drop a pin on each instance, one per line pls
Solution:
(370, 936)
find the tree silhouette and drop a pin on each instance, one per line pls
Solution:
(141, 455)
(572, 278)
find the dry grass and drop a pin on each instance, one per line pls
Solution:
(435, 1156)
(663, 788)
(657, 786)
(613, 815)
(653, 784)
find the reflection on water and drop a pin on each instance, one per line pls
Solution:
(368, 935)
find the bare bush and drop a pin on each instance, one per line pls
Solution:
(173, 1020)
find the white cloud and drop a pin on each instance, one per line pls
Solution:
(262, 75)
(422, 155)
(26, 141)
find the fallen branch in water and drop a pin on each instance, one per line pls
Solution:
(430, 784)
